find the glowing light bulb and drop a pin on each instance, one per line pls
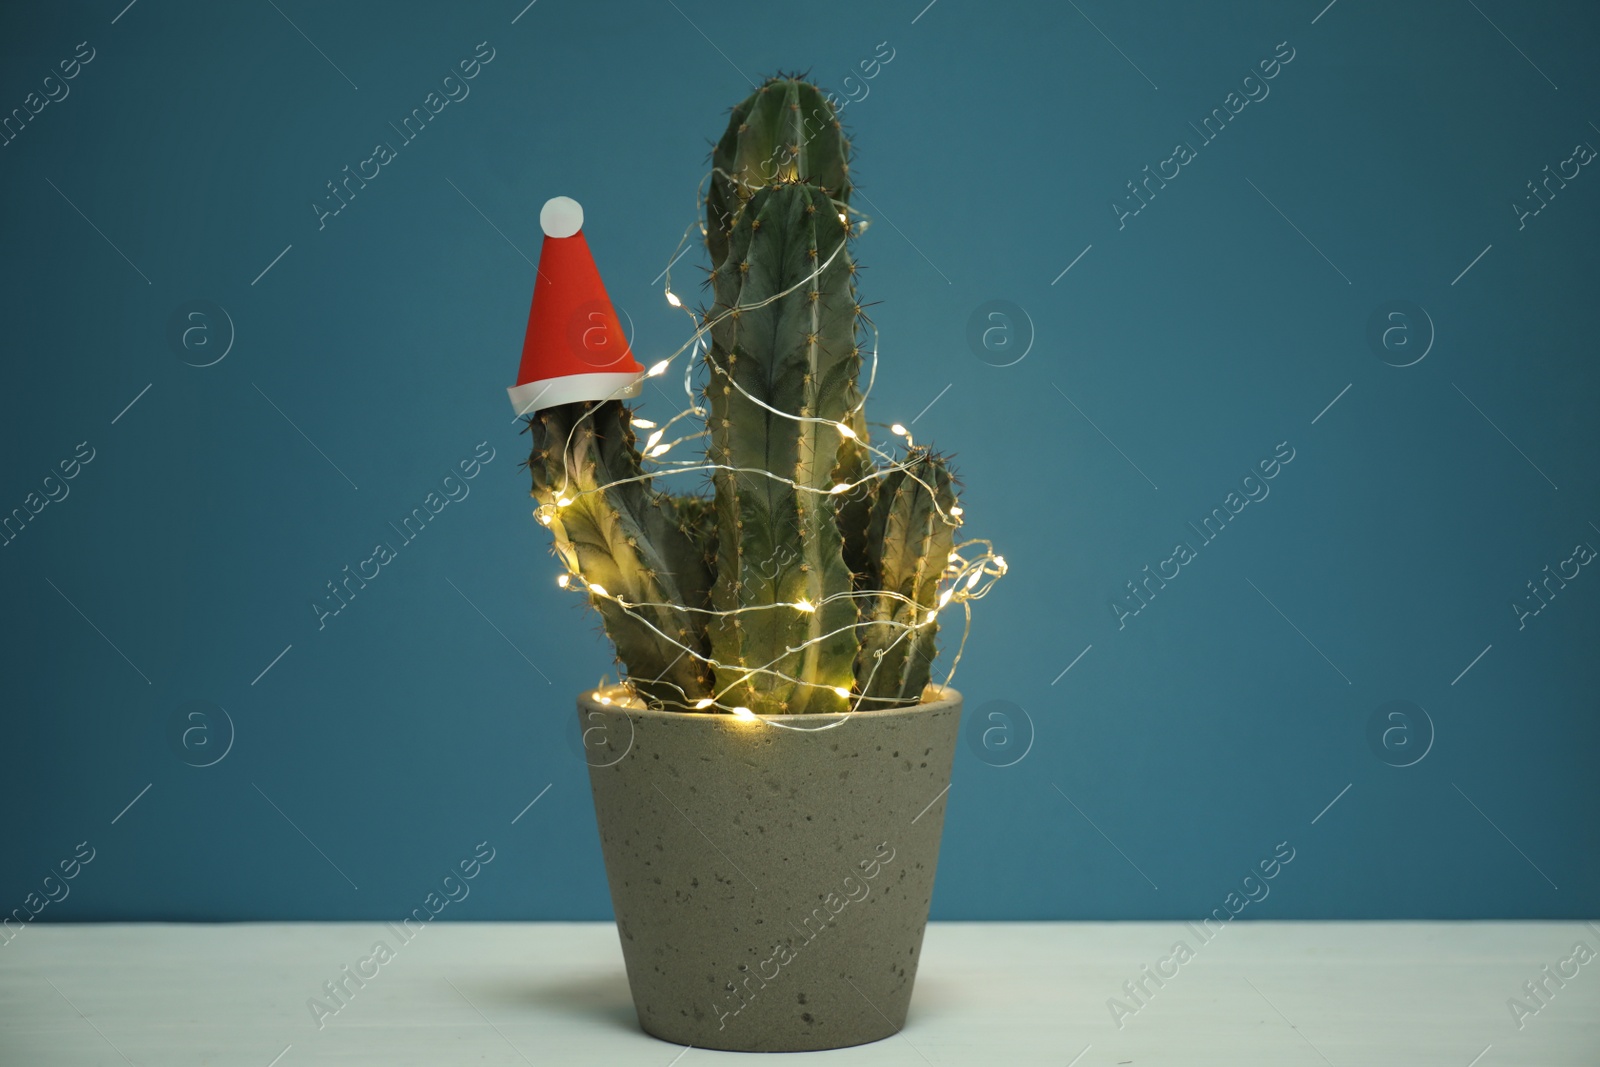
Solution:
(955, 557)
(840, 488)
(563, 501)
(744, 714)
(659, 450)
(1000, 561)
(845, 431)
(657, 370)
(672, 298)
(563, 580)
(598, 590)
(972, 579)
(702, 703)
(542, 517)
(602, 699)
(934, 614)
(944, 597)
(650, 442)
(842, 217)
(955, 509)
(842, 691)
(899, 430)
(644, 424)
(804, 605)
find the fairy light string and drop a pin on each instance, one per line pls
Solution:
(970, 572)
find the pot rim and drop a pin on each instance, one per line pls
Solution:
(949, 697)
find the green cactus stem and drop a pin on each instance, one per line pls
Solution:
(630, 541)
(911, 537)
(785, 131)
(778, 543)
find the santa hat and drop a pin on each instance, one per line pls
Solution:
(574, 348)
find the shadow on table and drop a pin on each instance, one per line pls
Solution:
(935, 998)
(602, 997)
(606, 998)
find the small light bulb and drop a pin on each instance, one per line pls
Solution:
(934, 614)
(845, 431)
(563, 501)
(898, 430)
(842, 691)
(842, 217)
(955, 557)
(703, 702)
(804, 605)
(1000, 561)
(659, 450)
(672, 298)
(658, 369)
(744, 714)
(650, 442)
(955, 509)
(601, 698)
(542, 517)
(598, 590)
(944, 597)
(840, 488)
(644, 424)
(563, 580)
(972, 579)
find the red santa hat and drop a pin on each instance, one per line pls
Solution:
(574, 348)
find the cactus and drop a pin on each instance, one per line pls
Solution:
(809, 581)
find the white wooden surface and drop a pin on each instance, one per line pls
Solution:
(1279, 994)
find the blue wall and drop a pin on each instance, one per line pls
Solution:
(1189, 342)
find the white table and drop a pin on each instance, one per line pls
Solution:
(1278, 994)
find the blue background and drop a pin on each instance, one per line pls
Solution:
(1207, 329)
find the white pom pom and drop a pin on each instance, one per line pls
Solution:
(561, 216)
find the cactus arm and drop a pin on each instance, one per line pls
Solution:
(913, 535)
(629, 541)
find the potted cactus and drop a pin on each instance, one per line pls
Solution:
(769, 775)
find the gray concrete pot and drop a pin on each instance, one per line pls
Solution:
(770, 882)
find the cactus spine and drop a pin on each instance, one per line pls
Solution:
(781, 594)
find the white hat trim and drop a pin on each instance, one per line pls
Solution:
(547, 393)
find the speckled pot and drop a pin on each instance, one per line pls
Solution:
(770, 882)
